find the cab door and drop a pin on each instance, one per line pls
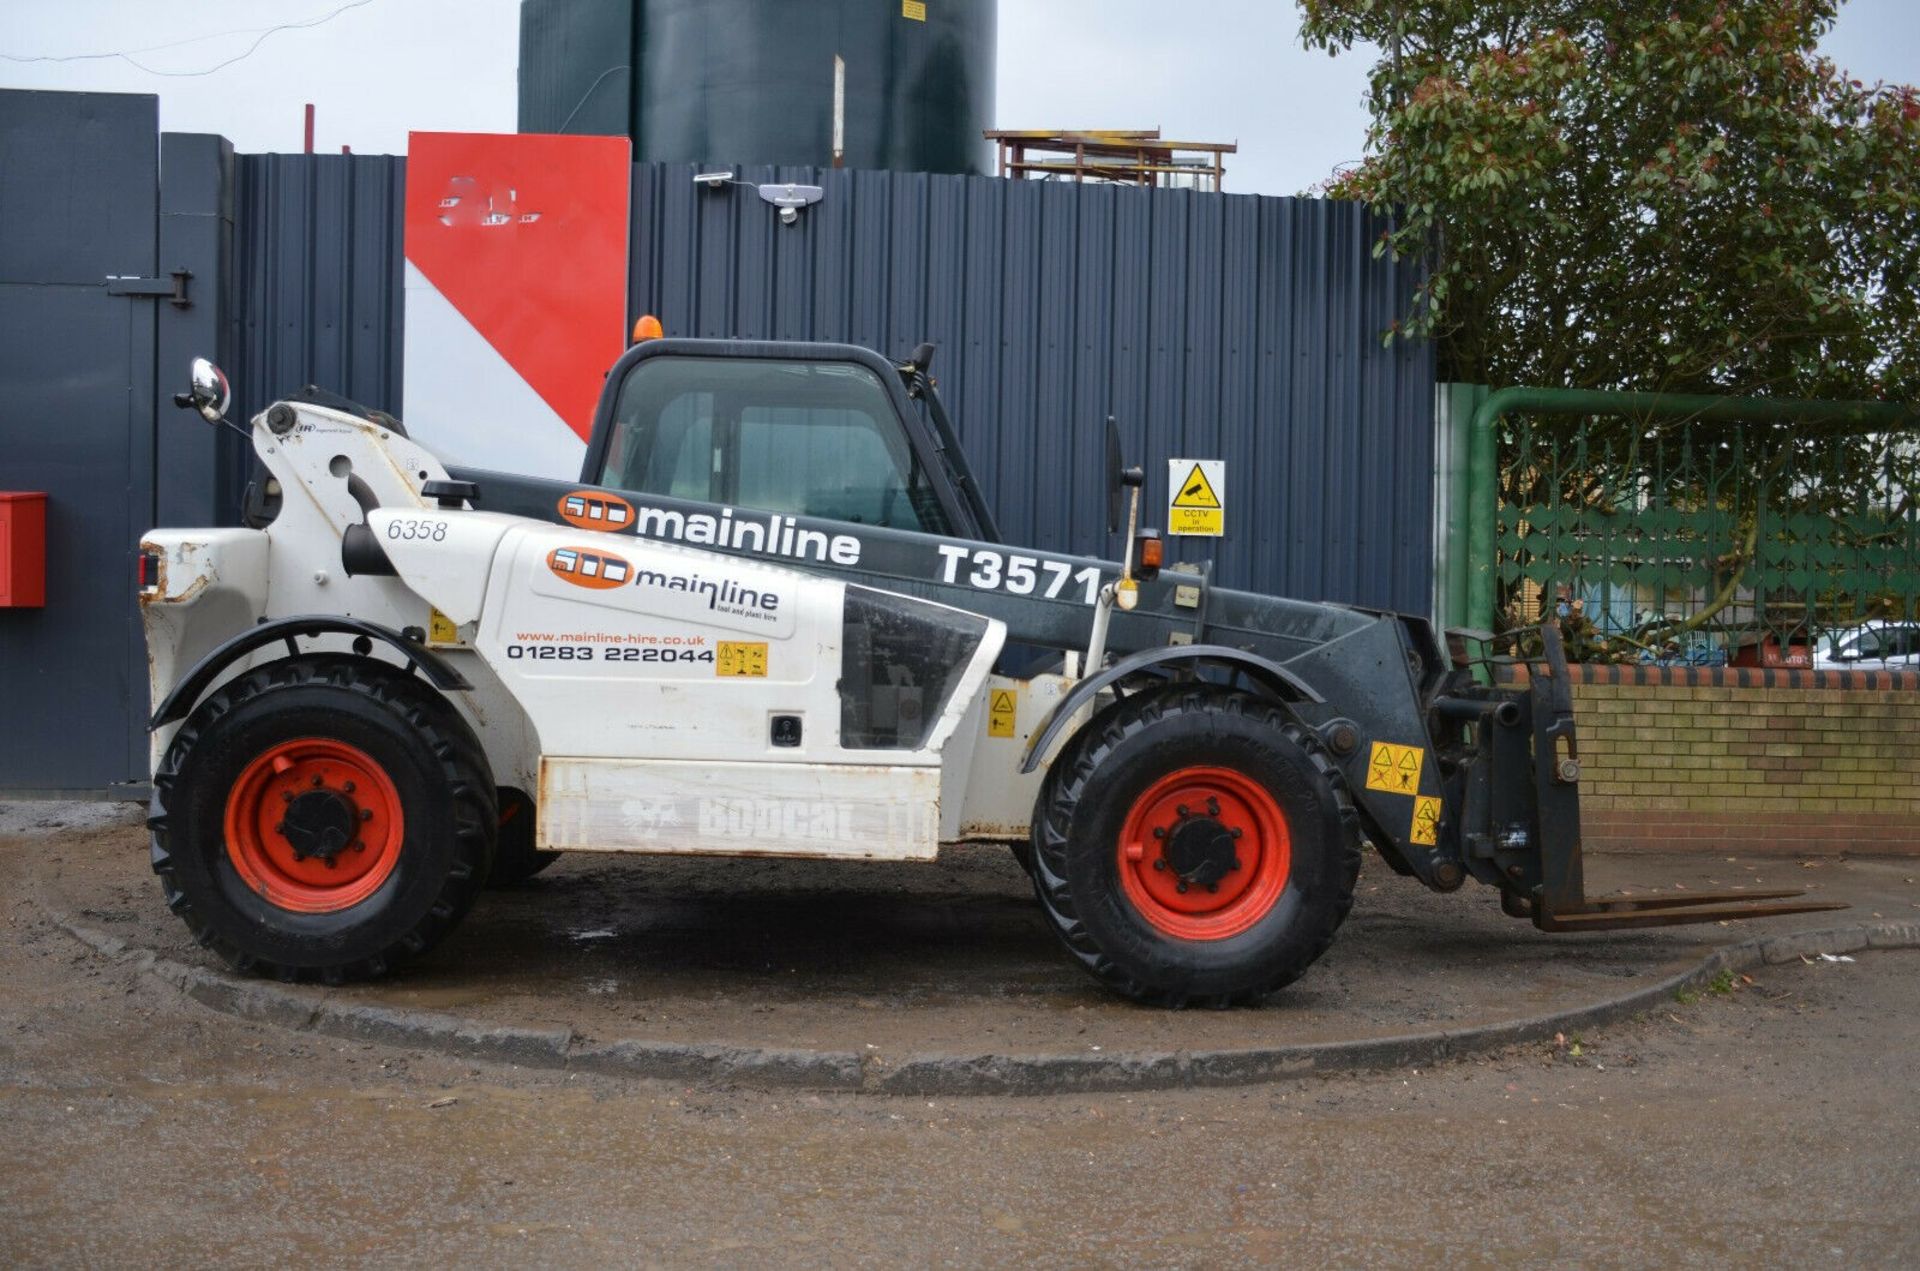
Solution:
(825, 437)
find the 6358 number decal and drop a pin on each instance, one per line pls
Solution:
(434, 531)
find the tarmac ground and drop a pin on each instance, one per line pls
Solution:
(1766, 1115)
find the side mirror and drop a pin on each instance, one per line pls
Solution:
(209, 393)
(1120, 478)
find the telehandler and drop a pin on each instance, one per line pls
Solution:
(774, 617)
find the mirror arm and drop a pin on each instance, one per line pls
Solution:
(240, 432)
(185, 402)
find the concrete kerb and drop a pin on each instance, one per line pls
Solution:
(951, 1074)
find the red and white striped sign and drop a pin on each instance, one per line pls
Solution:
(516, 291)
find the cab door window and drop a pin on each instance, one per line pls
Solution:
(817, 439)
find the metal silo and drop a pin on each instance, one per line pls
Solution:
(754, 81)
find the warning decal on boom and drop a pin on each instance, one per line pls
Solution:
(1395, 769)
(1426, 821)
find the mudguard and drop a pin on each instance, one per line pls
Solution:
(1267, 673)
(196, 681)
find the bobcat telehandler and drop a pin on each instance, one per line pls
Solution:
(774, 618)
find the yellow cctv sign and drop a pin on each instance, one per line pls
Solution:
(1197, 497)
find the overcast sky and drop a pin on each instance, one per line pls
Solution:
(1211, 70)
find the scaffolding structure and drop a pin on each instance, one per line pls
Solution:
(1121, 157)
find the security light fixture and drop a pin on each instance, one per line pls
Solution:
(787, 197)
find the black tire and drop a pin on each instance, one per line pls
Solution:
(440, 843)
(1119, 759)
(515, 858)
(1027, 852)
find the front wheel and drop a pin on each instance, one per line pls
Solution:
(322, 817)
(1195, 846)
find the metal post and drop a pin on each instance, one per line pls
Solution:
(839, 111)
(198, 474)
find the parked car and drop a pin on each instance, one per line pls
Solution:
(1872, 646)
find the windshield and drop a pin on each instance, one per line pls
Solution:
(817, 439)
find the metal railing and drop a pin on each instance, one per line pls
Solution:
(1686, 529)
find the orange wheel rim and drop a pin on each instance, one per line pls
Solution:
(314, 826)
(1204, 853)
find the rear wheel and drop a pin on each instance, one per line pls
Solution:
(1194, 846)
(322, 817)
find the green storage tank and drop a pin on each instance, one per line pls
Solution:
(753, 81)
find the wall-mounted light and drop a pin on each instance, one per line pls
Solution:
(789, 198)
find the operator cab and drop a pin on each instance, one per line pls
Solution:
(811, 430)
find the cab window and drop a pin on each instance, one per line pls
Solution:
(805, 438)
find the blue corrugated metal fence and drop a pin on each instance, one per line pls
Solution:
(1212, 326)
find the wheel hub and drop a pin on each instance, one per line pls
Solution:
(320, 823)
(1204, 853)
(314, 825)
(1201, 851)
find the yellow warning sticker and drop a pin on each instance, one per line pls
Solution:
(915, 9)
(1196, 496)
(741, 657)
(1002, 705)
(1395, 769)
(440, 628)
(1426, 820)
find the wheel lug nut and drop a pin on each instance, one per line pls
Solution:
(348, 787)
(286, 796)
(1213, 807)
(318, 782)
(1160, 864)
(1234, 832)
(1213, 886)
(327, 861)
(1181, 888)
(1159, 831)
(366, 814)
(359, 845)
(1235, 865)
(280, 827)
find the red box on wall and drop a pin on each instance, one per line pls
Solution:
(23, 550)
(1768, 651)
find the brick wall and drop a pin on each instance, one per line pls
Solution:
(1748, 761)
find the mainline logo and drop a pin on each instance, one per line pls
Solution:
(604, 570)
(769, 535)
(596, 510)
(590, 567)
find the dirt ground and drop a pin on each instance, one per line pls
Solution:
(1775, 1122)
(892, 961)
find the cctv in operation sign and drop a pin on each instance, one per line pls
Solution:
(1197, 497)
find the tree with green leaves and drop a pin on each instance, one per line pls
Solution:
(1678, 195)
